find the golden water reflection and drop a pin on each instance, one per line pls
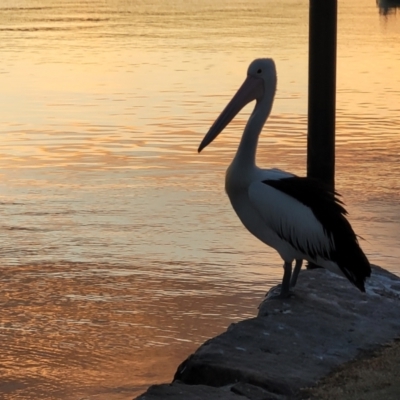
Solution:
(62, 323)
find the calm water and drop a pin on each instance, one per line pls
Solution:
(120, 252)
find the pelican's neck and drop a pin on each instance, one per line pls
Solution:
(246, 153)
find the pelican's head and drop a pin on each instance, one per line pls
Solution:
(263, 68)
(261, 79)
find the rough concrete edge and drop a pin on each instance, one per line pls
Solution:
(251, 392)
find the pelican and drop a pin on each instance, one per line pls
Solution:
(301, 218)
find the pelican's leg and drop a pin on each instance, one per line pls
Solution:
(285, 286)
(296, 272)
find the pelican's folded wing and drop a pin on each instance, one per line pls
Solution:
(291, 219)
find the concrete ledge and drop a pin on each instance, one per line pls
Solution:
(292, 343)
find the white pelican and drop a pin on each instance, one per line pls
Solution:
(299, 217)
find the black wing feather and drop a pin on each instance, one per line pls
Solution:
(330, 212)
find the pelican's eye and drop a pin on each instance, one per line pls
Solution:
(259, 71)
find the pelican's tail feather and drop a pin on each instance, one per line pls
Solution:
(351, 259)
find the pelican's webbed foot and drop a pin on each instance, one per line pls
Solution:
(271, 295)
(286, 284)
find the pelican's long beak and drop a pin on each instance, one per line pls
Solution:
(251, 89)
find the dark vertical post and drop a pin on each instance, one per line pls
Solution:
(322, 91)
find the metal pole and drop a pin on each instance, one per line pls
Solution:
(322, 91)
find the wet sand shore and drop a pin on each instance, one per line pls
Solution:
(373, 376)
